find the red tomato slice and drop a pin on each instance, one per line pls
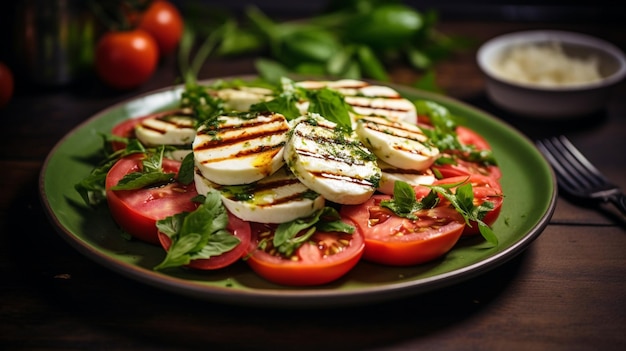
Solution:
(324, 258)
(239, 228)
(485, 189)
(469, 137)
(398, 241)
(466, 168)
(136, 211)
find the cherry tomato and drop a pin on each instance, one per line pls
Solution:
(136, 211)
(239, 228)
(165, 23)
(126, 59)
(398, 241)
(322, 259)
(6, 84)
(485, 189)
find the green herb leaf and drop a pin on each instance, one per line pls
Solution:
(186, 171)
(463, 201)
(198, 234)
(139, 180)
(289, 236)
(331, 105)
(404, 202)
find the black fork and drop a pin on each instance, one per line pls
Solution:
(577, 176)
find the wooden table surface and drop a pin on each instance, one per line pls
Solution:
(567, 291)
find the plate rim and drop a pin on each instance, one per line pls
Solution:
(301, 297)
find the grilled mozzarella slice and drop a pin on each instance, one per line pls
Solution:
(279, 198)
(241, 98)
(397, 143)
(241, 150)
(168, 128)
(391, 174)
(368, 99)
(331, 162)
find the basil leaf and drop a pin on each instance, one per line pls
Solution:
(221, 241)
(201, 233)
(404, 202)
(285, 104)
(331, 105)
(371, 64)
(289, 236)
(186, 171)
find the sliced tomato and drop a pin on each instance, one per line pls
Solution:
(239, 228)
(463, 167)
(485, 189)
(467, 168)
(398, 241)
(469, 137)
(136, 211)
(324, 258)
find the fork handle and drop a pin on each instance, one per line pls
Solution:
(619, 200)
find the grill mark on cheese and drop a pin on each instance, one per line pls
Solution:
(395, 170)
(328, 157)
(250, 130)
(343, 178)
(378, 108)
(265, 152)
(393, 129)
(316, 138)
(241, 138)
(166, 120)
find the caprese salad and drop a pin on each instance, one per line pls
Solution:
(300, 181)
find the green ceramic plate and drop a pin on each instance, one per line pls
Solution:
(527, 181)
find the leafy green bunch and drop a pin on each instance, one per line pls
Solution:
(349, 39)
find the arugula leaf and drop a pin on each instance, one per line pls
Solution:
(199, 234)
(443, 135)
(92, 188)
(404, 204)
(206, 108)
(150, 174)
(463, 201)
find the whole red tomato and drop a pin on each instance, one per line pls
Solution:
(163, 20)
(6, 84)
(126, 59)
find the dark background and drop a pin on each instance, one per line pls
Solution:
(605, 12)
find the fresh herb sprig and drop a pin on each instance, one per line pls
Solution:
(289, 236)
(349, 39)
(324, 101)
(151, 173)
(462, 199)
(92, 187)
(443, 135)
(405, 204)
(200, 234)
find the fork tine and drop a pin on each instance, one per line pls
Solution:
(572, 168)
(578, 160)
(553, 155)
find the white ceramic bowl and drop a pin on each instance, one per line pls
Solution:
(553, 101)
